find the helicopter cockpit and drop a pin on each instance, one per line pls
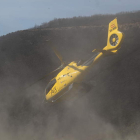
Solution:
(50, 85)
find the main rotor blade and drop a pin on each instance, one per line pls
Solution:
(56, 51)
(44, 77)
(58, 54)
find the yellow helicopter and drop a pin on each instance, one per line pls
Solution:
(75, 71)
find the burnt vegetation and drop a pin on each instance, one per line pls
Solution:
(25, 56)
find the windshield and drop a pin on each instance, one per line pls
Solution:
(50, 85)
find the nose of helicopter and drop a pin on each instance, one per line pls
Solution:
(49, 99)
(48, 95)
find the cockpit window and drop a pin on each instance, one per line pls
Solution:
(50, 85)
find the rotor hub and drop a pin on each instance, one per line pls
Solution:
(114, 39)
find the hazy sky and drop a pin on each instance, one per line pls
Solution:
(23, 14)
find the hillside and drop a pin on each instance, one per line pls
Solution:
(94, 20)
(110, 110)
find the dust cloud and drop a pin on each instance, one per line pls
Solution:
(110, 110)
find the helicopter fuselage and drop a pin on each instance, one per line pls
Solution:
(69, 75)
(72, 73)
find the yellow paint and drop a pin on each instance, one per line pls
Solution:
(73, 73)
(114, 39)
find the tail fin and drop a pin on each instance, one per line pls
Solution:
(114, 39)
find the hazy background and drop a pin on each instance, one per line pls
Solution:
(110, 110)
(23, 14)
